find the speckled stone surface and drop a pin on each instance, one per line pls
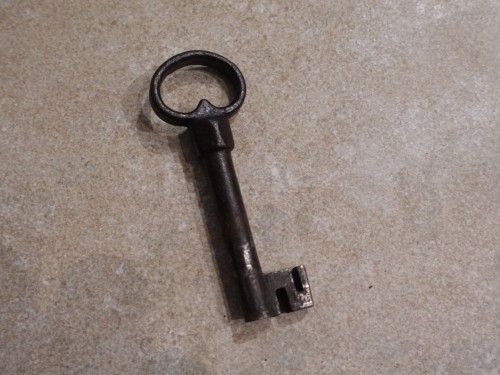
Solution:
(367, 149)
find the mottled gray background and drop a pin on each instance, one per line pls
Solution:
(367, 149)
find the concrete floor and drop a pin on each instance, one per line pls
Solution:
(367, 149)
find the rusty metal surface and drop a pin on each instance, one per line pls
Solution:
(264, 295)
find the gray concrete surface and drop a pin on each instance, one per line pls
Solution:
(367, 149)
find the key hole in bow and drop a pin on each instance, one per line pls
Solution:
(183, 89)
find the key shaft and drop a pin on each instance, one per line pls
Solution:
(214, 142)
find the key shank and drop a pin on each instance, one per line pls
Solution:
(214, 142)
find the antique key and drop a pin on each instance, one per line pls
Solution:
(264, 295)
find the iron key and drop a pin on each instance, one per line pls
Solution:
(264, 295)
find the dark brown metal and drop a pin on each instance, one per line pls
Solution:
(264, 295)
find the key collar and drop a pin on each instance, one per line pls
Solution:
(205, 110)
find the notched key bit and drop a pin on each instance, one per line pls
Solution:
(291, 287)
(264, 295)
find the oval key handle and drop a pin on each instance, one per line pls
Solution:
(205, 110)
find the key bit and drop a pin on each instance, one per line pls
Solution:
(264, 295)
